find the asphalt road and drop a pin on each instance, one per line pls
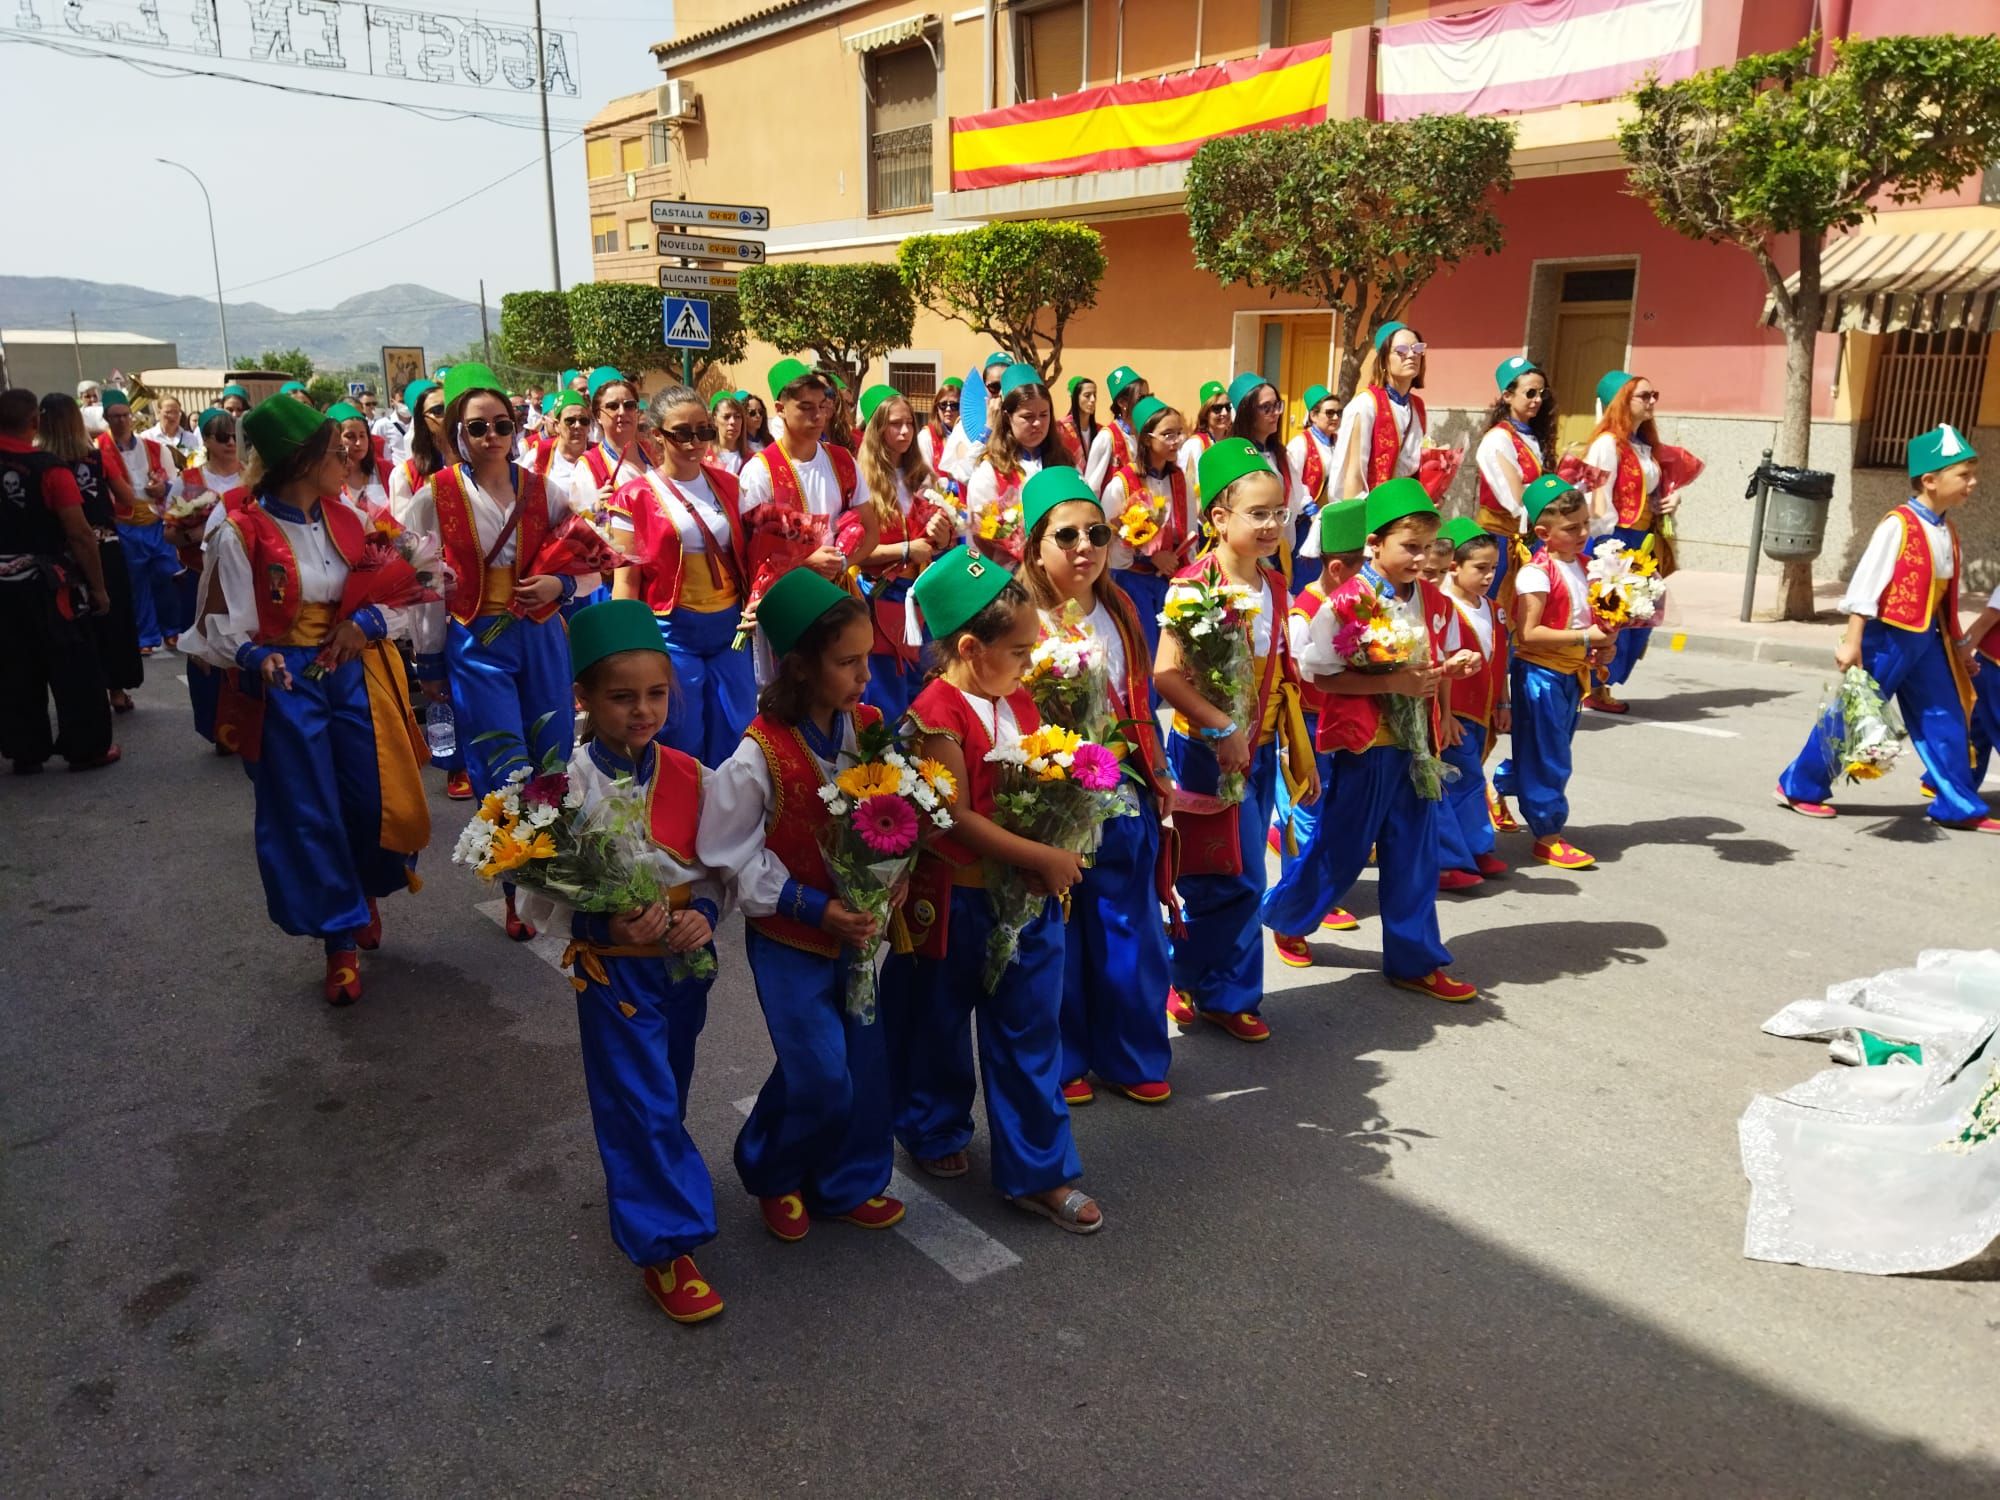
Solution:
(254, 1246)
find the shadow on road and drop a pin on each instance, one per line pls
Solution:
(1609, 842)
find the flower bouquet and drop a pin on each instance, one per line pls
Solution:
(877, 811)
(189, 510)
(997, 532)
(1208, 619)
(1867, 736)
(379, 579)
(781, 539)
(1625, 584)
(1138, 526)
(574, 548)
(1068, 677)
(590, 852)
(1437, 467)
(1056, 788)
(1372, 636)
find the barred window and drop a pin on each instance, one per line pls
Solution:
(1922, 379)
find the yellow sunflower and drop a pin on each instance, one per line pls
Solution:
(941, 780)
(863, 782)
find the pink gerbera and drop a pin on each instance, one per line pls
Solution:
(546, 791)
(1094, 768)
(886, 825)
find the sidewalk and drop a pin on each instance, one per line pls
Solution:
(1702, 609)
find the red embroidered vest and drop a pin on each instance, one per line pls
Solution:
(1312, 473)
(458, 539)
(1908, 600)
(673, 803)
(1072, 440)
(602, 468)
(792, 831)
(1474, 697)
(1531, 470)
(274, 567)
(942, 709)
(657, 535)
(1349, 721)
(1385, 444)
(1310, 601)
(1174, 525)
(1628, 490)
(785, 479)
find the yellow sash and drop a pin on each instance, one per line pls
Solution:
(400, 750)
(699, 592)
(496, 596)
(314, 624)
(1960, 677)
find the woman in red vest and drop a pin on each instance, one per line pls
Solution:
(1518, 448)
(1021, 446)
(333, 755)
(617, 457)
(1258, 416)
(428, 449)
(1382, 430)
(1212, 420)
(682, 523)
(504, 656)
(1080, 428)
(1156, 483)
(1627, 501)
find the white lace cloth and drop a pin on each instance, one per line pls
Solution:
(1863, 1169)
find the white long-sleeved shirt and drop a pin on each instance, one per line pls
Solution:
(489, 517)
(1097, 462)
(1603, 455)
(322, 575)
(1159, 494)
(1319, 659)
(1357, 425)
(1500, 467)
(674, 496)
(1878, 564)
(187, 439)
(736, 806)
(1295, 450)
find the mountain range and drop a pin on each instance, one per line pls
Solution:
(346, 335)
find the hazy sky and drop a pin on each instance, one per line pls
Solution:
(294, 178)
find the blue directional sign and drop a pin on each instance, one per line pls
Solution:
(687, 323)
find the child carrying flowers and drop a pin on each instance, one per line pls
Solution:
(983, 633)
(1480, 702)
(1146, 502)
(817, 1141)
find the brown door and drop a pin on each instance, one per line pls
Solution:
(1591, 338)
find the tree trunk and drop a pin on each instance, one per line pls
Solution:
(1794, 445)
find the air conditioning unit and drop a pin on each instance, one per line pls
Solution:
(678, 101)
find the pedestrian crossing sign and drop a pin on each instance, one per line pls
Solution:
(687, 323)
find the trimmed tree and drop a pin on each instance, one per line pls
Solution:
(849, 316)
(294, 362)
(1357, 214)
(535, 332)
(1770, 155)
(619, 323)
(1017, 283)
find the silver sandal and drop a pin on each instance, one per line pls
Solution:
(1064, 1217)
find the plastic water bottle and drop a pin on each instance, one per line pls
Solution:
(441, 731)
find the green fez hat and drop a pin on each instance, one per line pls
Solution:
(719, 397)
(1609, 387)
(741, 396)
(1392, 500)
(1213, 390)
(600, 630)
(996, 358)
(344, 411)
(278, 427)
(1316, 394)
(1940, 448)
(790, 606)
(872, 399)
(1537, 497)
(414, 393)
(233, 389)
(1053, 486)
(1241, 387)
(953, 589)
(549, 402)
(602, 376)
(471, 377)
(1343, 527)
(1388, 331)
(209, 414)
(1512, 369)
(1120, 380)
(954, 382)
(1073, 382)
(834, 377)
(785, 371)
(284, 390)
(1018, 375)
(1462, 529)
(561, 401)
(110, 398)
(568, 376)
(1225, 462)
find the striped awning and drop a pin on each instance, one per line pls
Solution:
(877, 37)
(1926, 283)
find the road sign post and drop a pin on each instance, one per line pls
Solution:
(683, 279)
(686, 325)
(700, 247)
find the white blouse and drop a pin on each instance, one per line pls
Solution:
(984, 487)
(1500, 467)
(674, 496)
(1603, 455)
(1159, 493)
(1357, 425)
(736, 806)
(322, 575)
(1319, 659)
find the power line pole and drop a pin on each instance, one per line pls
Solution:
(485, 334)
(76, 339)
(548, 157)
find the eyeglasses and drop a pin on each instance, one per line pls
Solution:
(1069, 537)
(1258, 518)
(500, 427)
(1271, 405)
(684, 437)
(1649, 397)
(619, 405)
(1408, 351)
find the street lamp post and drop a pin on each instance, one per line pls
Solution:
(214, 254)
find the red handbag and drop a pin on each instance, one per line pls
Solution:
(1210, 834)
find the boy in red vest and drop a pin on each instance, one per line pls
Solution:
(1902, 625)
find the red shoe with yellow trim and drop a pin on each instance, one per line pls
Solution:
(1078, 1092)
(458, 786)
(786, 1216)
(1242, 1025)
(1439, 986)
(1276, 841)
(1557, 851)
(1805, 809)
(1501, 814)
(1178, 1010)
(1292, 951)
(370, 937)
(1157, 1092)
(681, 1292)
(1977, 825)
(876, 1213)
(1339, 919)
(343, 977)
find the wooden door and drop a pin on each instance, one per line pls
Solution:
(1308, 362)
(1591, 338)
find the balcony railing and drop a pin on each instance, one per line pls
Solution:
(899, 169)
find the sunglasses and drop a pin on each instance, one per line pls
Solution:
(432, 411)
(684, 437)
(500, 427)
(619, 405)
(947, 405)
(1649, 397)
(576, 421)
(993, 388)
(222, 437)
(1070, 537)
(1408, 351)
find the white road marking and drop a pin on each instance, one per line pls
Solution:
(1701, 729)
(965, 1251)
(181, 678)
(1233, 1094)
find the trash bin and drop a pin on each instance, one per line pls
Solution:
(1795, 510)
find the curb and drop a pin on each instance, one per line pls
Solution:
(1818, 654)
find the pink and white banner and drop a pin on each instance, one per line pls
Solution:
(1534, 54)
